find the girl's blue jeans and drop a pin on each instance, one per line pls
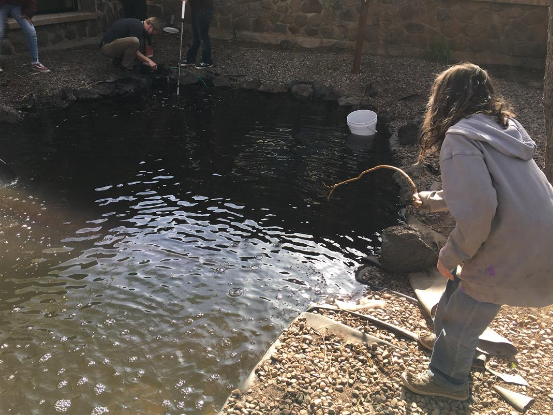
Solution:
(201, 21)
(15, 11)
(459, 322)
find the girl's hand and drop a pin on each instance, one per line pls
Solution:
(417, 202)
(444, 271)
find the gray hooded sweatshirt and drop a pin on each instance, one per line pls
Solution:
(503, 207)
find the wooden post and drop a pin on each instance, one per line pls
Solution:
(360, 36)
(548, 99)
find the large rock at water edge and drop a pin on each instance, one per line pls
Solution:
(302, 91)
(405, 250)
(9, 115)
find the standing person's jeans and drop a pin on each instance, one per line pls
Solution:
(27, 27)
(459, 322)
(200, 35)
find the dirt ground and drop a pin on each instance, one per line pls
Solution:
(314, 373)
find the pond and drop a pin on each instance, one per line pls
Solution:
(153, 248)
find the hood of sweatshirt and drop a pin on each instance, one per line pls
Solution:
(512, 141)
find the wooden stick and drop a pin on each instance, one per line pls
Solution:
(382, 166)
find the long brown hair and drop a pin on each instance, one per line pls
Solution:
(457, 93)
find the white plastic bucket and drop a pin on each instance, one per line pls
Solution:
(362, 122)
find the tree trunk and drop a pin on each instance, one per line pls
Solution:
(548, 99)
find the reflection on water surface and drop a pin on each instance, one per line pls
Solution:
(154, 248)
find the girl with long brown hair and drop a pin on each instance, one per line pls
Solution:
(500, 249)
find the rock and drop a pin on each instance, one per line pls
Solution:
(409, 133)
(249, 84)
(189, 78)
(124, 86)
(67, 94)
(9, 115)
(349, 101)
(332, 95)
(221, 81)
(29, 101)
(104, 89)
(295, 82)
(404, 250)
(319, 89)
(302, 91)
(273, 87)
(86, 93)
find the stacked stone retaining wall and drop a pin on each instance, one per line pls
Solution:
(511, 32)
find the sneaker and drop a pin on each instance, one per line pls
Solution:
(186, 63)
(424, 384)
(203, 65)
(39, 67)
(426, 340)
(1, 70)
(149, 52)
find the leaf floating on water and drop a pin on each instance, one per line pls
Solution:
(60, 250)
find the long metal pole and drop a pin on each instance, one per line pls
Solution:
(180, 49)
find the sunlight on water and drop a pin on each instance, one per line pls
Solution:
(153, 252)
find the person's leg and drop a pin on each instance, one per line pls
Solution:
(125, 48)
(29, 30)
(203, 22)
(427, 339)
(193, 50)
(140, 9)
(450, 288)
(128, 8)
(461, 323)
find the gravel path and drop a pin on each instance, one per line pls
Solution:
(313, 372)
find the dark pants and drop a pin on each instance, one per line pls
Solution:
(135, 8)
(200, 36)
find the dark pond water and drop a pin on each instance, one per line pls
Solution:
(154, 248)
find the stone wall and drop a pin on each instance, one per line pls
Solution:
(512, 32)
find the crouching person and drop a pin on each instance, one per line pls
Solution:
(122, 41)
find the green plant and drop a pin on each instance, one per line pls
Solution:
(439, 52)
